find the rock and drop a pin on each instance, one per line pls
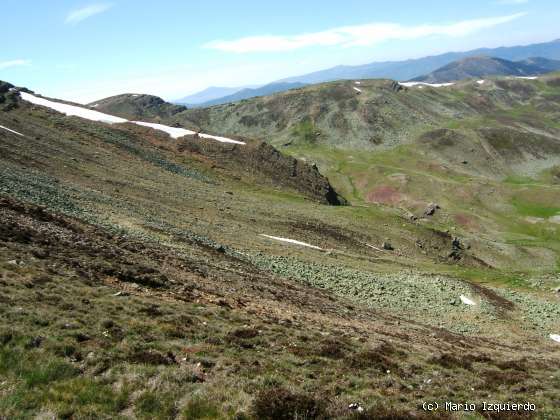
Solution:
(356, 406)
(34, 342)
(387, 246)
(396, 86)
(431, 209)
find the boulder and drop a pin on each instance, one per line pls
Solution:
(431, 209)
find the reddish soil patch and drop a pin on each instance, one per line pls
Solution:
(384, 194)
(463, 219)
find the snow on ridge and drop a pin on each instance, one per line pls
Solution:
(92, 115)
(357, 82)
(356, 89)
(527, 77)
(480, 82)
(555, 337)
(174, 132)
(466, 300)
(11, 131)
(177, 132)
(220, 139)
(410, 84)
(291, 241)
(72, 110)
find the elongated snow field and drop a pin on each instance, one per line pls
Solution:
(11, 131)
(90, 114)
(555, 337)
(291, 241)
(356, 89)
(174, 132)
(410, 84)
(72, 110)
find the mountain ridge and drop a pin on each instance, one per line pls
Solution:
(481, 66)
(398, 70)
(408, 69)
(247, 93)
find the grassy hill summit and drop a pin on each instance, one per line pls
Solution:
(136, 106)
(145, 275)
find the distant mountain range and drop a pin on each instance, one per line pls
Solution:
(397, 70)
(409, 69)
(246, 93)
(489, 66)
(208, 94)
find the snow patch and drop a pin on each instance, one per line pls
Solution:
(89, 114)
(174, 132)
(480, 82)
(357, 82)
(291, 241)
(555, 337)
(220, 139)
(410, 84)
(135, 96)
(466, 300)
(526, 77)
(177, 132)
(72, 110)
(95, 105)
(554, 219)
(356, 89)
(11, 131)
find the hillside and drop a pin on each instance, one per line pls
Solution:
(477, 67)
(187, 276)
(408, 147)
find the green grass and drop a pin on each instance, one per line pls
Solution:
(519, 180)
(201, 408)
(534, 209)
(156, 405)
(306, 132)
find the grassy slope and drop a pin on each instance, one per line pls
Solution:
(219, 321)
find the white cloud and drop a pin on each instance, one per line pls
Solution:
(359, 35)
(13, 63)
(78, 15)
(512, 1)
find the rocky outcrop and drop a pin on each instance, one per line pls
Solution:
(262, 162)
(8, 98)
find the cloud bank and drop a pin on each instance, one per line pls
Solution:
(359, 35)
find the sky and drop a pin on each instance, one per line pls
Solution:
(84, 50)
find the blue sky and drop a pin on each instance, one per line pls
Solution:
(86, 50)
